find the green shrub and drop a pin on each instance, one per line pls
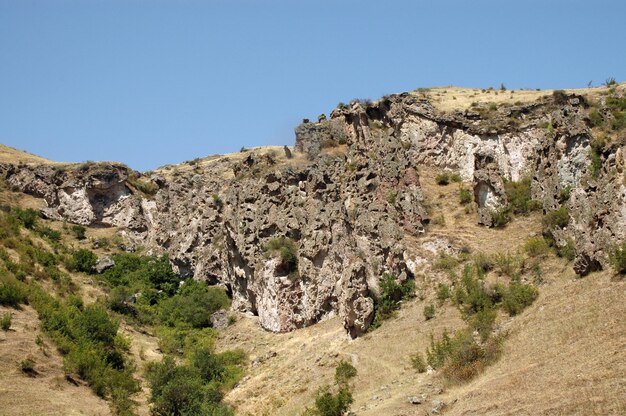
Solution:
(189, 389)
(94, 324)
(209, 365)
(161, 276)
(519, 196)
(12, 291)
(45, 258)
(468, 358)
(595, 118)
(5, 321)
(418, 362)
(536, 246)
(595, 166)
(128, 267)
(483, 263)
(49, 233)
(120, 299)
(9, 226)
(617, 258)
(445, 261)
(443, 292)
(507, 264)
(146, 186)
(344, 372)
(217, 199)
(442, 179)
(79, 231)
(619, 120)
(88, 338)
(391, 294)
(286, 249)
(559, 218)
(438, 351)
(83, 260)
(471, 294)
(461, 357)
(27, 217)
(429, 312)
(455, 177)
(177, 389)
(559, 96)
(500, 218)
(27, 366)
(564, 194)
(483, 322)
(329, 404)
(392, 196)
(465, 196)
(568, 250)
(518, 297)
(193, 305)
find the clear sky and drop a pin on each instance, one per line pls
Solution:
(151, 82)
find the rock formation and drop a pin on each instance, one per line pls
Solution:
(347, 205)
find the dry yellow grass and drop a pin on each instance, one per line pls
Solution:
(225, 162)
(11, 155)
(452, 98)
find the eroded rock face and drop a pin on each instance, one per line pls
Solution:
(346, 212)
(89, 194)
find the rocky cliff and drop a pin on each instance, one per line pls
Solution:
(298, 239)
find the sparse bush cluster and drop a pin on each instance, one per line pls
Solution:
(79, 231)
(462, 356)
(146, 186)
(559, 218)
(618, 258)
(536, 246)
(465, 196)
(12, 291)
(611, 116)
(5, 321)
(520, 197)
(391, 295)
(595, 165)
(520, 201)
(194, 387)
(83, 260)
(336, 400)
(286, 249)
(429, 312)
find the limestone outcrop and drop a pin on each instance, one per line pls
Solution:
(299, 237)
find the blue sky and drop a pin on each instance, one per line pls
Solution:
(154, 82)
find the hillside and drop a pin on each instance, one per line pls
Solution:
(494, 216)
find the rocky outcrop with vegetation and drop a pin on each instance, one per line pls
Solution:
(296, 240)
